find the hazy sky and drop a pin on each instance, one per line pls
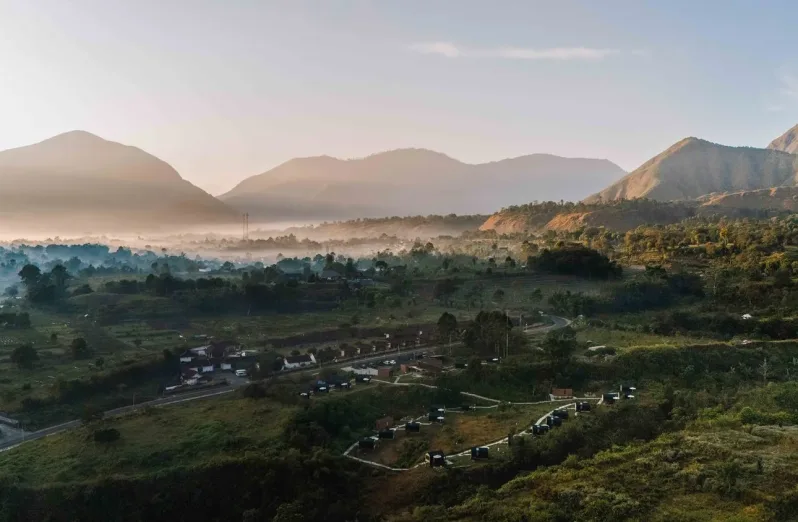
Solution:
(226, 89)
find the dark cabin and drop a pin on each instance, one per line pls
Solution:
(386, 434)
(609, 398)
(436, 458)
(412, 427)
(583, 406)
(479, 453)
(627, 388)
(367, 443)
(540, 429)
(553, 422)
(435, 417)
(561, 413)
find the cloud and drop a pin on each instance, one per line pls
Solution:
(451, 50)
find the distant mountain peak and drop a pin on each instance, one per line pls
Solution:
(787, 142)
(692, 167)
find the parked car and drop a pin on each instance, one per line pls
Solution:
(241, 373)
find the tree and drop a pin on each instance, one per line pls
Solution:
(445, 289)
(99, 363)
(30, 275)
(79, 348)
(59, 277)
(447, 326)
(24, 356)
(498, 296)
(381, 265)
(488, 332)
(559, 346)
(90, 414)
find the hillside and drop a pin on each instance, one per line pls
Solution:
(402, 227)
(620, 216)
(78, 182)
(412, 182)
(787, 142)
(780, 198)
(692, 168)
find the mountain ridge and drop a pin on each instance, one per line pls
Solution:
(411, 182)
(79, 182)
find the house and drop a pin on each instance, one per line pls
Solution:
(329, 275)
(435, 417)
(367, 443)
(431, 365)
(609, 398)
(384, 372)
(348, 351)
(412, 427)
(562, 393)
(204, 365)
(386, 434)
(200, 351)
(298, 361)
(479, 453)
(582, 406)
(384, 423)
(540, 429)
(187, 356)
(561, 413)
(435, 458)
(553, 421)
(189, 377)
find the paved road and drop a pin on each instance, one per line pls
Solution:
(7, 444)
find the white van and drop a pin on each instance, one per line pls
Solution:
(241, 373)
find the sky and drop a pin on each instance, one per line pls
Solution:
(223, 90)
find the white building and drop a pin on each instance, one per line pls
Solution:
(298, 361)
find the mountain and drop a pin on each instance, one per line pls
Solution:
(693, 168)
(779, 198)
(78, 182)
(787, 142)
(410, 182)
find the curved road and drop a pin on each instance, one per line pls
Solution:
(21, 437)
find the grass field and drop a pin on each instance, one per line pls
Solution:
(621, 339)
(151, 440)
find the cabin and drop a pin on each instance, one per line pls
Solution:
(583, 406)
(435, 417)
(553, 422)
(626, 388)
(435, 458)
(562, 413)
(478, 453)
(609, 398)
(562, 393)
(367, 443)
(540, 429)
(387, 434)
(412, 427)
(293, 362)
(384, 372)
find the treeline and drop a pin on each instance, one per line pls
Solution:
(575, 260)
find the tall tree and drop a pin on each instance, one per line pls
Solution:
(24, 356)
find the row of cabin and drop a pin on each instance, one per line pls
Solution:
(625, 392)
